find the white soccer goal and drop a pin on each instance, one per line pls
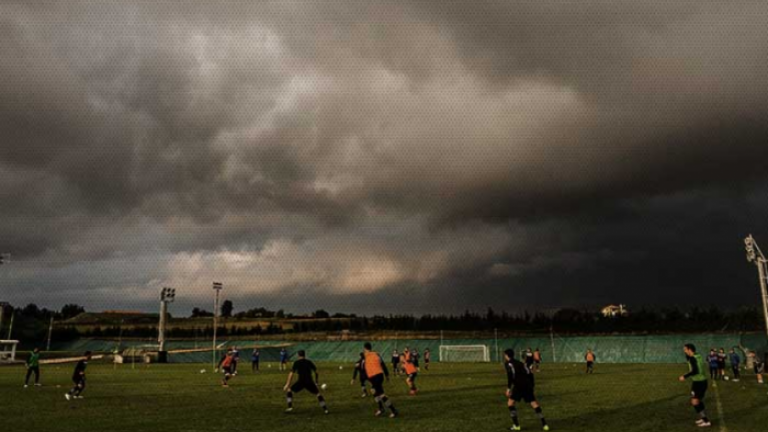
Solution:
(464, 353)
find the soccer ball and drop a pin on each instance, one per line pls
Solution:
(202, 371)
(324, 386)
(341, 367)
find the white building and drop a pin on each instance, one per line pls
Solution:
(612, 311)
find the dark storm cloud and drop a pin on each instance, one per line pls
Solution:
(466, 149)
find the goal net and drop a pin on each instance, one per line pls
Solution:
(464, 353)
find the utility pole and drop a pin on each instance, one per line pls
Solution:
(50, 333)
(755, 255)
(217, 286)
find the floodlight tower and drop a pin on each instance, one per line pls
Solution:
(167, 295)
(755, 255)
(217, 286)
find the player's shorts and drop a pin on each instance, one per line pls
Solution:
(698, 390)
(78, 381)
(758, 368)
(590, 364)
(377, 383)
(227, 370)
(308, 386)
(523, 393)
(413, 376)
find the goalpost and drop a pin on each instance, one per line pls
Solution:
(464, 353)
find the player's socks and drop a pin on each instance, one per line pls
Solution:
(323, 405)
(387, 403)
(540, 415)
(289, 399)
(513, 414)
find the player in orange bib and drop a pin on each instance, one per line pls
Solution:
(225, 364)
(376, 370)
(411, 370)
(590, 358)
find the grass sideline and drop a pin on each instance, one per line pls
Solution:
(454, 397)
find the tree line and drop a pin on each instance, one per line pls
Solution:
(31, 323)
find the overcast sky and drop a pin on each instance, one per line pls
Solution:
(403, 156)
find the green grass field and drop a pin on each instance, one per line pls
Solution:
(453, 397)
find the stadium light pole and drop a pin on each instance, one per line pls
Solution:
(217, 286)
(755, 255)
(167, 295)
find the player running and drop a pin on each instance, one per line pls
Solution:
(520, 385)
(735, 365)
(359, 369)
(426, 359)
(305, 370)
(255, 360)
(283, 359)
(412, 371)
(590, 358)
(33, 367)
(226, 364)
(699, 383)
(396, 362)
(376, 370)
(78, 377)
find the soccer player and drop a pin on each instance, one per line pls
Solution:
(33, 366)
(225, 364)
(396, 362)
(255, 360)
(376, 370)
(537, 360)
(758, 366)
(590, 358)
(426, 359)
(520, 385)
(235, 360)
(699, 383)
(78, 377)
(283, 359)
(529, 358)
(359, 369)
(305, 370)
(735, 364)
(721, 358)
(713, 361)
(412, 371)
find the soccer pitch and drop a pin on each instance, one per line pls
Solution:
(453, 397)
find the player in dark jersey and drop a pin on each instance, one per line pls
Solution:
(376, 370)
(396, 362)
(307, 380)
(529, 358)
(226, 364)
(78, 378)
(697, 374)
(283, 359)
(713, 361)
(359, 369)
(735, 364)
(255, 360)
(520, 386)
(721, 360)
